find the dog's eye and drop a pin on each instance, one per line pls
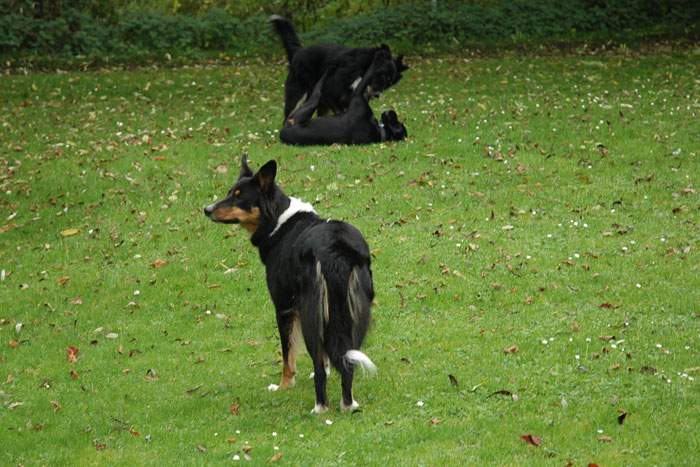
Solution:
(237, 193)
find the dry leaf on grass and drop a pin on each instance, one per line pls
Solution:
(530, 439)
(73, 354)
(69, 232)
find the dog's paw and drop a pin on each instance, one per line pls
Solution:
(287, 383)
(273, 387)
(319, 409)
(349, 408)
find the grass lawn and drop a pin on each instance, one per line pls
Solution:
(536, 238)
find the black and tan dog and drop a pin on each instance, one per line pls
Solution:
(318, 275)
(343, 66)
(355, 126)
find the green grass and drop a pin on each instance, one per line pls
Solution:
(549, 199)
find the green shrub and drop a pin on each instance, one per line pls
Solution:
(511, 21)
(95, 29)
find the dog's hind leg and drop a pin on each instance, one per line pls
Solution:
(305, 110)
(288, 325)
(293, 93)
(320, 378)
(346, 375)
(314, 315)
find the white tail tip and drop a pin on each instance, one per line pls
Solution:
(355, 357)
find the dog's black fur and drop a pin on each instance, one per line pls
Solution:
(342, 66)
(356, 126)
(318, 275)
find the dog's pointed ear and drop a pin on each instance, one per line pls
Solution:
(266, 175)
(245, 170)
(385, 47)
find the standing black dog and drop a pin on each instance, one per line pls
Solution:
(318, 275)
(344, 66)
(356, 126)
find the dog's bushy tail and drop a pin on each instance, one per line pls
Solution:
(357, 358)
(286, 31)
(359, 301)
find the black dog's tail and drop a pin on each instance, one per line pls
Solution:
(286, 31)
(336, 314)
(359, 301)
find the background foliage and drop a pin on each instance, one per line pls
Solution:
(128, 30)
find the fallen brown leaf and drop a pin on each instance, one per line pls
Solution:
(530, 439)
(72, 354)
(511, 349)
(158, 263)
(69, 232)
(604, 439)
(234, 409)
(276, 457)
(7, 228)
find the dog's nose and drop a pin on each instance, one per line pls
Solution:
(208, 210)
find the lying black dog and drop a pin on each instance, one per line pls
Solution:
(343, 66)
(356, 126)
